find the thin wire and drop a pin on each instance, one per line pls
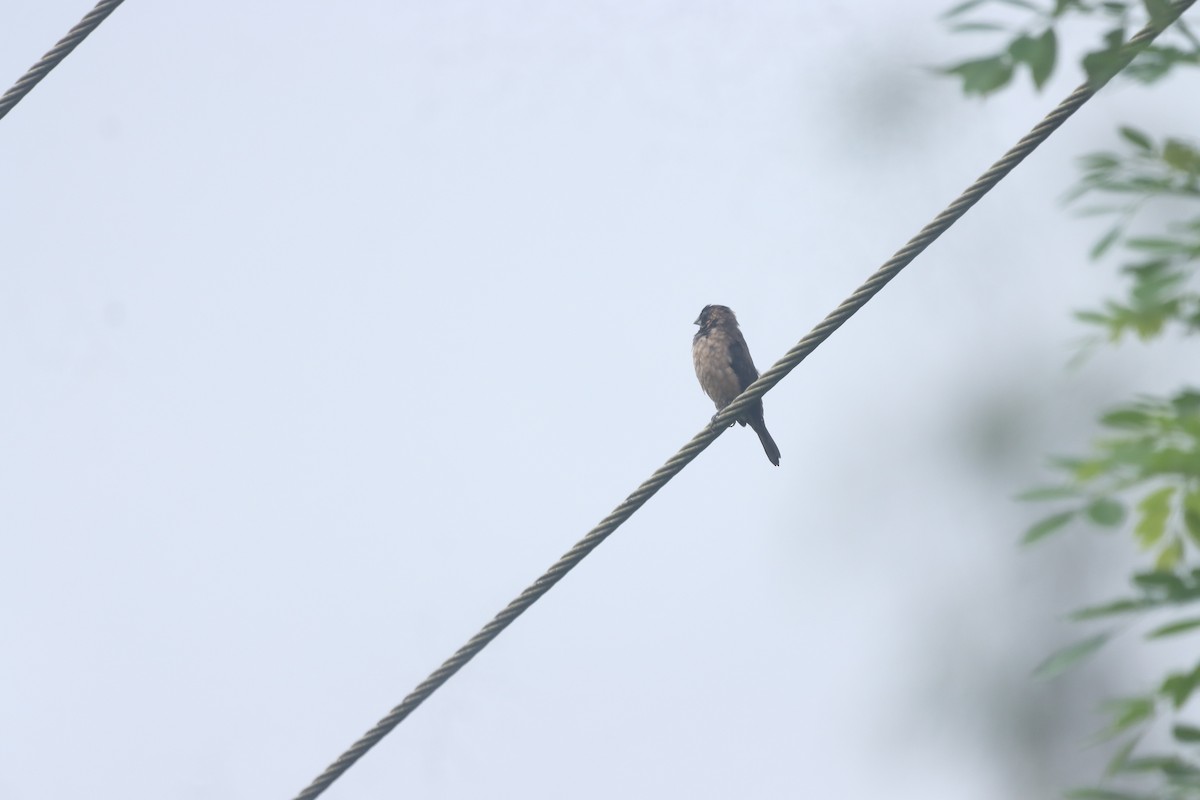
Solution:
(719, 423)
(60, 51)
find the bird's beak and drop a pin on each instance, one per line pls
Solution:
(697, 322)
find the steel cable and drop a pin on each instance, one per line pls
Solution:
(60, 51)
(719, 423)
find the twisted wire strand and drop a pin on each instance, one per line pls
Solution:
(726, 417)
(60, 51)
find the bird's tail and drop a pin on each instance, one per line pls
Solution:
(769, 446)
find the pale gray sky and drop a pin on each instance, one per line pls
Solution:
(326, 328)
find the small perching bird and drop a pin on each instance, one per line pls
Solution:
(725, 369)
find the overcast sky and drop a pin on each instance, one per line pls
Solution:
(325, 328)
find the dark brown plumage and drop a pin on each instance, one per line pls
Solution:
(725, 369)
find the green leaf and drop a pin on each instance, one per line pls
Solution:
(1148, 270)
(1182, 156)
(1120, 758)
(1172, 461)
(1186, 733)
(1100, 162)
(1126, 418)
(1158, 501)
(1130, 450)
(1178, 686)
(1088, 469)
(1168, 765)
(1093, 318)
(1191, 514)
(1102, 65)
(1047, 526)
(1038, 53)
(1106, 241)
(1160, 12)
(1154, 508)
(1062, 660)
(982, 76)
(1187, 402)
(1048, 493)
(1129, 711)
(1161, 584)
(1183, 626)
(1106, 512)
(1063, 6)
(1112, 609)
(977, 27)
(1041, 61)
(1138, 139)
(1101, 794)
(1154, 244)
(1150, 529)
(1170, 556)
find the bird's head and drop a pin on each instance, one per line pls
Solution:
(715, 315)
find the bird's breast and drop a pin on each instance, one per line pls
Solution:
(710, 355)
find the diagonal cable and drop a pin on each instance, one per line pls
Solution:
(60, 51)
(721, 421)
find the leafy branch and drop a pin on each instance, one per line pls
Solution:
(1032, 41)
(1163, 267)
(1142, 473)
(1150, 461)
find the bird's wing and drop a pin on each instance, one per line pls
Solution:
(739, 359)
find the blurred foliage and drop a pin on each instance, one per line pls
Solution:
(1152, 454)
(1142, 474)
(1031, 41)
(1161, 268)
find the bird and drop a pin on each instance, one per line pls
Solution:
(725, 369)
